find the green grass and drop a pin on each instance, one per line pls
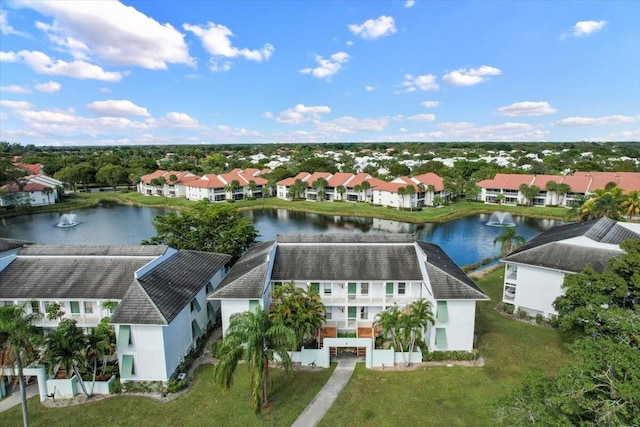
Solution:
(204, 404)
(456, 396)
(428, 214)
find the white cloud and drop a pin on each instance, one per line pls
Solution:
(402, 130)
(268, 115)
(374, 28)
(430, 104)
(5, 27)
(327, 67)
(350, 125)
(105, 89)
(421, 118)
(470, 77)
(584, 28)
(115, 33)
(180, 120)
(596, 121)
(15, 89)
(43, 64)
(527, 108)
(369, 88)
(117, 108)
(18, 105)
(8, 57)
(216, 39)
(350, 42)
(409, 3)
(301, 113)
(48, 87)
(424, 82)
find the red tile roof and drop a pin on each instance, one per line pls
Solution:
(31, 186)
(339, 178)
(207, 181)
(358, 179)
(580, 182)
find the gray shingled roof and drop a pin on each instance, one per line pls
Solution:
(170, 286)
(69, 277)
(547, 249)
(337, 257)
(327, 262)
(448, 281)
(10, 244)
(94, 250)
(247, 277)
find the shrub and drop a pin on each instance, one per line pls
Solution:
(442, 356)
(174, 386)
(115, 387)
(523, 315)
(539, 319)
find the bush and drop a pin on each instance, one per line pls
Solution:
(523, 315)
(442, 356)
(506, 308)
(115, 387)
(174, 386)
(539, 319)
(143, 387)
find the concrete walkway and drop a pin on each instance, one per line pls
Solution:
(320, 404)
(14, 398)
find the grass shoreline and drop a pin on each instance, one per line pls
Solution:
(447, 213)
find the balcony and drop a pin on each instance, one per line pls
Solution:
(509, 294)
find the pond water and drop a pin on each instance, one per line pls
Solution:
(466, 240)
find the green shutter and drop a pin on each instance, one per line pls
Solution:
(441, 338)
(389, 288)
(253, 305)
(75, 307)
(195, 329)
(352, 312)
(124, 336)
(443, 313)
(126, 370)
(351, 287)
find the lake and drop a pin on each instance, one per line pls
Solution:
(466, 240)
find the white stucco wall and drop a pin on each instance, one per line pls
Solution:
(177, 339)
(459, 326)
(537, 288)
(230, 307)
(147, 350)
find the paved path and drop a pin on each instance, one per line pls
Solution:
(320, 404)
(14, 399)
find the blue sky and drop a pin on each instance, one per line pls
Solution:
(196, 72)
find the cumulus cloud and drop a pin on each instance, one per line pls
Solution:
(327, 67)
(18, 105)
(15, 89)
(585, 28)
(115, 33)
(409, 3)
(527, 108)
(350, 125)
(430, 104)
(374, 28)
(421, 118)
(471, 76)
(117, 108)
(8, 57)
(424, 82)
(181, 120)
(596, 121)
(216, 39)
(78, 69)
(48, 87)
(369, 88)
(301, 113)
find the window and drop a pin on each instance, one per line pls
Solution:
(75, 307)
(351, 289)
(351, 313)
(364, 288)
(389, 289)
(195, 305)
(442, 315)
(196, 331)
(402, 288)
(327, 288)
(315, 286)
(127, 368)
(35, 307)
(441, 338)
(209, 288)
(328, 311)
(88, 307)
(364, 313)
(124, 336)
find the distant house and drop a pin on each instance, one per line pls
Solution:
(358, 276)
(535, 272)
(31, 190)
(165, 183)
(426, 188)
(580, 184)
(155, 295)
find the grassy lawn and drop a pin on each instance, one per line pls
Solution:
(446, 213)
(203, 405)
(456, 396)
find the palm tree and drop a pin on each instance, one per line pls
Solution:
(388, 320)
(65, 347)
(100, 343)
(401, 192)
(47, 192)
(509, 240)
(499, 198)
(365, 186)
(631, 204)
(552, 187)
(357, 188)
(16, 337)
(431, 189)
(562, 190)
(320, 184)
(341, 190)
(254, 338)
(410, 190)
(415, 321)
(252, 186)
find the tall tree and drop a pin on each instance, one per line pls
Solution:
(254, 338)
(552, 187)
(205, 227)
(319, 185)
(402, 191)
(341, 190)
(16, 345)
(47, 192)
(364, 187)
(410, 190)
(509, 240)
(65, 347)
(631, 204)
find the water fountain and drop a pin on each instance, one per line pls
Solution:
(68, 220)
(501, 219)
